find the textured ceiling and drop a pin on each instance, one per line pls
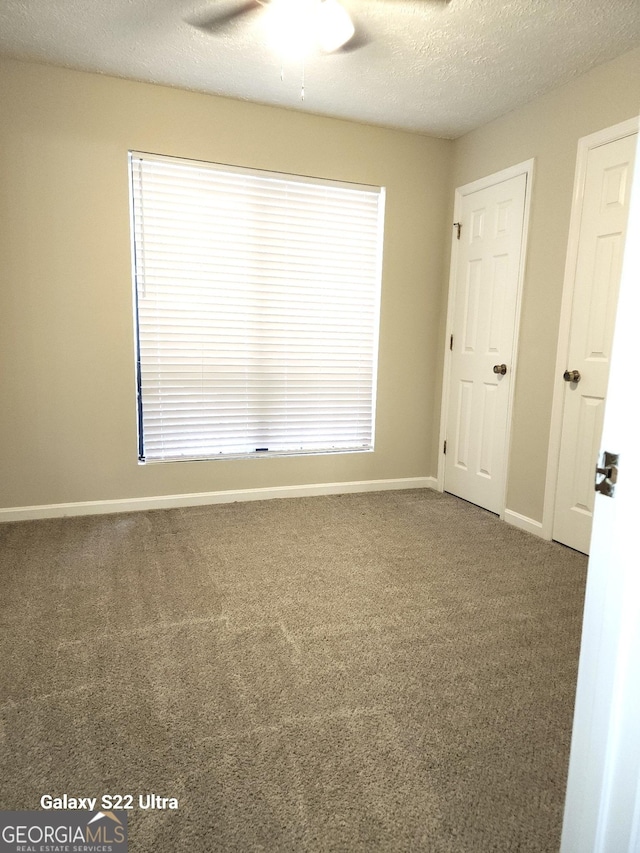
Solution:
(431, 66)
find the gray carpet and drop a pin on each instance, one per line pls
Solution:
(383, 672)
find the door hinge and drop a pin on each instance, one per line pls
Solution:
(444, 449)
(609, 473)
(451, 342)
(458, 225)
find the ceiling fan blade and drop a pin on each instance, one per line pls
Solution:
(217, 20)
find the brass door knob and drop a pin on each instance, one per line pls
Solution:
(500, 368)
(571, 376)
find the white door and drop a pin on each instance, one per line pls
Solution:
(485, 282)
(602, 809)
(603, 222)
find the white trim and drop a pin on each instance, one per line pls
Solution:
(525, 168)
(523, 522)
(585, 145)
(25, 513)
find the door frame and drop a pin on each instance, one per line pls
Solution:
(525, 168)
(585, 145)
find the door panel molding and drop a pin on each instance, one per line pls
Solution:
(585, 145)
(525, 168)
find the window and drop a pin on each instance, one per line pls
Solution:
(257, 305)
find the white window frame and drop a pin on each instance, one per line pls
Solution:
(312, 277)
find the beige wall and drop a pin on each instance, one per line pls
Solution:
(67, 391)
(547, 129)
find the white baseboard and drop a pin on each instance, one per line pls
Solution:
(26, 513)
(524, 522)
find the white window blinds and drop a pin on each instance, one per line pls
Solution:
(257, 301)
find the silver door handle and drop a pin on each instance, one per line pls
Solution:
(500, 368)
(571, 376)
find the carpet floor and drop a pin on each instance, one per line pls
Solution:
(380, 672)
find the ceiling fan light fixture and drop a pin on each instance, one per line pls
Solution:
(334, 26)
(289, 28)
